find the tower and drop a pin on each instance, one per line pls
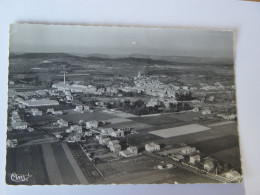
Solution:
(64, 76)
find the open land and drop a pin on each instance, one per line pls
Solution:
(53, 160)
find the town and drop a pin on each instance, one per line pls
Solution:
(85, 126)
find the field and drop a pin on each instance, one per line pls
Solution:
(47, 163)
(26, 160)
(181, 130)
(76, 116)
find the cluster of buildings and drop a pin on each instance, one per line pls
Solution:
(151, 87)
(216, 86)
(82, 109)
(193, 157)
(78, 88)
(17, 122)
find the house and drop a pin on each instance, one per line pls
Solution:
(208, 165)
(194, 159)
(205, 112)
(115, 148)
(106, 130)
(19, 125)
(91, 124)
(104, 141)
(118, 133)
(98, 137)
(69, 97)
(79, 108)
(130, 151)
(73, 137)
(152, 147)
(74, 128)
(177, 157)
(50, 110)
(36, 112)
(88, 133)
(188, 150)
(233, 175)
(113, 142)
(11, 143)
(62, 123)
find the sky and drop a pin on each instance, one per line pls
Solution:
(120, 41)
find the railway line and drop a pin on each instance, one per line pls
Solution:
(88, 168)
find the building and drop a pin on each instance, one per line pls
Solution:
(36, 112)
(74, 128)
(113, 142)
(69, 97)
(98, 137)
(11, 143)
(73, 137)
(208, 165)
(233, 175)
(188, 150)
(177, 157)
(91, 124)
(19, 125)
(194, 159)
(205, 112)
(79, 108)
(50, 110)
(62, 123)
(152, 147)
(75, 88)
(118, 133)
(88, 133)
(37, 103)
(104, 140)
(153, 102)
(116, 148)
(130, 151)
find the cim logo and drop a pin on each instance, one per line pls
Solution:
(20, 177)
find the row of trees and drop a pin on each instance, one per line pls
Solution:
(184, 96)
(138, 107)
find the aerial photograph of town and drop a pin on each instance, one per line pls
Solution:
(121, 105)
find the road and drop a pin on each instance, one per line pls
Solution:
(186, 167)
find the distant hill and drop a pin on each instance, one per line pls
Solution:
(134, 58)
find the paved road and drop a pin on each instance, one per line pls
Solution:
(74, 164)
(51, 165)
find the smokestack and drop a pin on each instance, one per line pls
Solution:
(64, 78)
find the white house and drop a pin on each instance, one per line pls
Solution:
(62, 123)
(208, 166)
(118, 133)
(115, 148)
(194, 159)
(177, 157)
(91, 124)
(19, 125)
(233, 175)
(152, 147)
(104, 141)
(205, 112)
(188, 150)
(79, 108)
(36, 112)
(130, 151)
(113, 142)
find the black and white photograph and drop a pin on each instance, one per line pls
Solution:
(121, 105)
